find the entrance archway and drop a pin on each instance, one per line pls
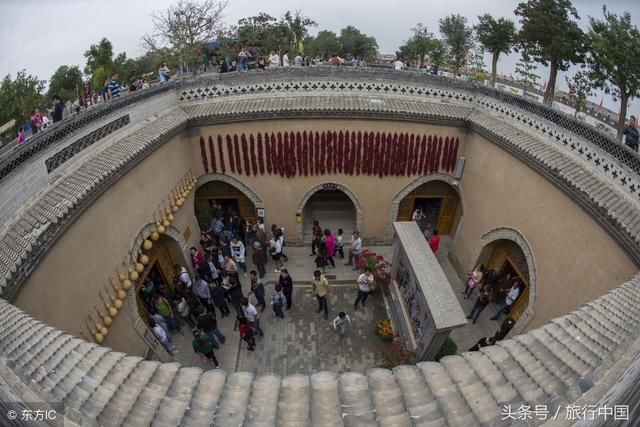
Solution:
(506, 251)
(227, 193)
(333, 205)
(437, 195)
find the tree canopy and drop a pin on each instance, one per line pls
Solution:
(580, 87)
(65, 82)
(550, 33)
(458, 37)
(614, 59)
(324, 44)
(496, 36)
(355, 43)
(19, 96)
(419, 46)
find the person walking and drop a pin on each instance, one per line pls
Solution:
(163, 337)
(257, 289)
(483, 342)
(274, 59)
(316, 236)
(203, 346)
(209, 325)
(238, 252)
(57, 110)
(434, 243)
(198, 262)
(631, 134)
(258, 258)
(512, 296)
(341, 323)
(218, 298)
(114, 86)
(481, 303)
(203, 292)
(330, 245)
(276, 250)
(251, 314)
(182, 306)
(163, 73)
(475, 278)
(286, 282)
(163, 308)
(365, 280)
(340, 243)
(183, 276)
(320, 287)
(277, 300)
(246, 333)
(355, 248)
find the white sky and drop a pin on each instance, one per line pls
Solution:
(40, 35)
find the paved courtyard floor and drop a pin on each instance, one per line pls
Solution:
(305, 342)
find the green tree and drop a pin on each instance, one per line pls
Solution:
(99, 55)
(581, 87)
(65, 82)
(324, 44)
(296, 26)
(263, 31)
(614, 59)
(525, 68)
(185, 27)
(357, 44)
(100, 75)
(418, 46)
(497, 36)
(458, 37)
(19, 96)
(552, 37)
(438, 55)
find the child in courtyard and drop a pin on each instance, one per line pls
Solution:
(341, 323)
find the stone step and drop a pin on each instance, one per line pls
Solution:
(326, 409)
(232, 407)
(146, 406)
(356, 400)
(263, 406)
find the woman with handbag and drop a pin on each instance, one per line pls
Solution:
(475, 278)
(365, 282)
(202, 345)
(276, 250)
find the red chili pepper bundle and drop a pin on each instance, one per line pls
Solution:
(388, 156)
(236, 154)
(365, 152)
(252, 149)
(379, 150)
(203, 154)
(316, 154)
(328, 147)
(305, 153)
(429, 155)
(358, 162)
(281, 169)
(447, 153)
(232, 162)
(423, 155)
(267, 152)
(416, 155)
(260, 154)
(455, 154)
(212, 151)
(221, 154)
(311, 156)
(245, 155)
(299, 157)
(353, 151)
(438, 155)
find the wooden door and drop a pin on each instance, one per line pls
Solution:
(159, 260)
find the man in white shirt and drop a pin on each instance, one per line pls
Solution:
(238, 251)
(163, 337)
(356, 247)
(511, 297)
(341, 323)
(251, 314)
(285, 59)
(274, 59)
(398, 65)
(365, 280)
(297, 61)
(183, 276)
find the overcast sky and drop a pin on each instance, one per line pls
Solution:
(40, 35)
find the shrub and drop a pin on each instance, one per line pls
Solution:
(448, 348)
(394, 355)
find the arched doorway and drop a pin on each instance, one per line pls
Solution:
(507, 255)
(333, 206)
(159, 274)
(217, 198)
(439, 203)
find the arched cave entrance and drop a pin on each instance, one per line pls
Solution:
(225, 195)
(505, 263)
(333, 208)
(439, 202)
(160, 271)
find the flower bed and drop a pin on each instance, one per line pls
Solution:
(378, 266)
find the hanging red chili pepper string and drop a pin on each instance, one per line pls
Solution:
(260, 154)
(203, 154)
(252, 150)
(245, 155)
(212, 152)
(221, 154)
(232, 162)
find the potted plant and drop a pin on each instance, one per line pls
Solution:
(384, 330)
(378, 266)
